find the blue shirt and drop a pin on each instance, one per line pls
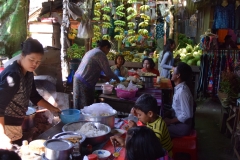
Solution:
(224, 17)
(160, 30)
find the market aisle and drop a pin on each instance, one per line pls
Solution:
(212, 145)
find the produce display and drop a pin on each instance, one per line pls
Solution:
(190, 55)
(183, 40)
(131, 26)
(72, 34)
(75, 51)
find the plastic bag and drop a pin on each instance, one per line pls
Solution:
(74, 10)
(131, 86)
(98, 109)
(85, 29)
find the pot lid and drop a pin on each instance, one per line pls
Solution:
(30, 111)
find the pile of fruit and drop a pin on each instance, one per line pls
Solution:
(75, 51)
(183, 40)
(72, 34)
(190, 54)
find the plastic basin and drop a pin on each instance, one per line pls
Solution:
(70, 115)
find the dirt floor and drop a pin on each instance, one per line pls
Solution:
(212, 145)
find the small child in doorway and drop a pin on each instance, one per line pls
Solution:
(147, 111)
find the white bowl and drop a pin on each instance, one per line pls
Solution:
(102, 154)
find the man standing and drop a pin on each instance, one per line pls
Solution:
(180, 120)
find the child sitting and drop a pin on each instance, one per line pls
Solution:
(141, 144)
(146, 109)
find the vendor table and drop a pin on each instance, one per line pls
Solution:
(125, 105)
(48, 134)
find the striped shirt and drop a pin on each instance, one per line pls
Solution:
(160, 129)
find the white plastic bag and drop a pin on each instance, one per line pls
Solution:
(98, 109)
(131, 87)
(85, 29)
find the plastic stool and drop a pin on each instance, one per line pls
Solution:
(1, 69)
(186, 144)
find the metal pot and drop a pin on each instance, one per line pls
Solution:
(107, 120)
(75, 126)
(148, 81)
(28, 121)
(64, 135)
(57, 149)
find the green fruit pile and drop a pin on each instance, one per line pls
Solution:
(75, 51)
(183, 40)
(190, 55)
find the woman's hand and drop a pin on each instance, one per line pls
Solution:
(43, 103)
(5, 142)
(119, 142)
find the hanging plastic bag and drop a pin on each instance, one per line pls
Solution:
(85, 29)
(164, 10)
(74, 11)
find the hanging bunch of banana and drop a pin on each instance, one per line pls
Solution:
(144, 16)
(133, 39)
(119, 37)
(143, 32)
(119, 10)
(106, 9)
(96, 28)
(119, 29)
(106, 1)
(132, 13)
(106, 25)
(145, 23)
(97, 6)
(131, 1)
(131, 24)
(106, 37)
(119, 23)
(97, 35)
(131, 32)
(144, 8)
(106, 18)
(97, 17)
(72, 34)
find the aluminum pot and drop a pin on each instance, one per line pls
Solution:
(107, 120)
(57, 149)
(28, 121)
(68, 134)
